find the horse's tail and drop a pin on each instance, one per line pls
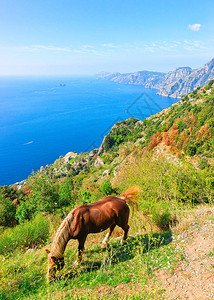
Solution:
(130, 195)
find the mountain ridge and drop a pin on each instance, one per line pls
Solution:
(175, 83)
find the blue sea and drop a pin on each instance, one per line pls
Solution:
(43, 118)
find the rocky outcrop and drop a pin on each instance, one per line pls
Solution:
(101, 148)
(174, 84)
(105, 173)
(69, 156)
(98, 162)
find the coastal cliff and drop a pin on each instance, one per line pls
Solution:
(175, 83)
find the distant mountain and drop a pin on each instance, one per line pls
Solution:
(141, 78)
(174, 84)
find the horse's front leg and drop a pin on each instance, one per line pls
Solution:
(80, 250)
(106, 239)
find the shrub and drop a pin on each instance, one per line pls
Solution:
(28, 235)
(155, 140)
(184, 98)
(199, 150)
(164, 180)
(203, 164)
(78, 180)
(8, 196)
(158, 213)
(162, 216)
(107, 159)
(106, 187)
(7, 212)
(68, 166)
(10, 192)
(84, 196)
(209, 85)
(181, 126)
(191, 150)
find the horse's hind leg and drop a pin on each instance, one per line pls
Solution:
(122, 222)
(126, 229)
(105, 241)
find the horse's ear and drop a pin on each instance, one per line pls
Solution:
(47, 251)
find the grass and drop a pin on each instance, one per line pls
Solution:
(21, 275)
(106, 274)
(118, 272)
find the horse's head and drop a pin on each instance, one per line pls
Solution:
(54, 264)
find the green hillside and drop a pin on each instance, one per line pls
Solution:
(169, 156)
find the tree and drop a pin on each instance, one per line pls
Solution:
(66, 195)
(44, 196)
(7, 212)
(25, 211)
(108, 142)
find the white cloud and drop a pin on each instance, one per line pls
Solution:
(88, 49)
(194, 27)
(109, 45)
(113, 50)
(191, 45)
(50, 48)
(35, 48)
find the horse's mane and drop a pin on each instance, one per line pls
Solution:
(62, 236)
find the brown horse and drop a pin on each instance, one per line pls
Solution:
(92, 218)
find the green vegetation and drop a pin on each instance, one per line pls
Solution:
(106, 187)
(43, 197)
(169, 156)
(28, 235)
(24, 276)
(123, 131)
(9, 197)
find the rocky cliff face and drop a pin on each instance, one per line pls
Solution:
(140, 78)
(188, 81)
(173, 84)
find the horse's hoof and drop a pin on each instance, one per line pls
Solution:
(123, 242)
(76, 263)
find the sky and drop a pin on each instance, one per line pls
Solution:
(66, 37)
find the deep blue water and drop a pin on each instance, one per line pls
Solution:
(41, 120)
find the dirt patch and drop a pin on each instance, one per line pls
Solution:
(193, 278)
